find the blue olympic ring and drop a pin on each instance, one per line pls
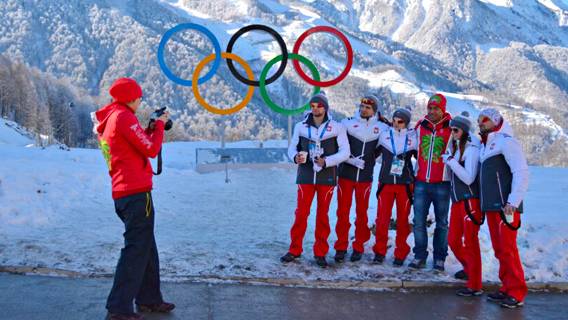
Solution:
(208, 34)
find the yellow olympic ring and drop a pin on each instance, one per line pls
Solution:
(207, 106)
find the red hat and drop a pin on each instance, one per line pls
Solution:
(125, 90)
(439, 101)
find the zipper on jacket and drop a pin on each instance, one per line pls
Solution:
(500, 190)
(315, 173)
(362, 153)
(481, 183)
(454, 185)
(432, 139)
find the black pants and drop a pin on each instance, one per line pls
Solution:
(138, 271)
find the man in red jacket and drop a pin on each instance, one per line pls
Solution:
(432, 184)
(126, 148)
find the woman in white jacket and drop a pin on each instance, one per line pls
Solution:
(462, 158)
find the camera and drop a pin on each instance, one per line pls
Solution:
(156, 114)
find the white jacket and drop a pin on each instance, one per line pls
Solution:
(468, 172)
(503, 142)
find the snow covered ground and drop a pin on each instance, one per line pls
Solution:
(56, 211)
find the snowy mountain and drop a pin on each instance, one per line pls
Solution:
(504, 53)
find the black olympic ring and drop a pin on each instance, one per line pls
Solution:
(276, 37)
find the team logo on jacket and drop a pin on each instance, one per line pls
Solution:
(329, 128)
(376, 130)
(105, 148)
(435, 147)
(492, 146)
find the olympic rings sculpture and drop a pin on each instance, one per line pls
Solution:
(249, 80)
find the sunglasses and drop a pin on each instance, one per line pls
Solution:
(316, 105)
(368, 102)
(399, 121)
(455, 130)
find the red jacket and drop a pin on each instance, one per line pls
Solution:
(126, 148)
(432, 142)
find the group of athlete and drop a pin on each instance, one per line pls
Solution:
(482, 170)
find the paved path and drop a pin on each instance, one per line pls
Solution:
(36, 297)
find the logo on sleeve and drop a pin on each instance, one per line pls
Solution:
(141, 136)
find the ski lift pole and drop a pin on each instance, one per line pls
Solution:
(289, 130)
(225, 159)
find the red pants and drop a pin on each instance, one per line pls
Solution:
(463, 240)
(306, 194)
(389, 193)
(344, 200)
(504, 241)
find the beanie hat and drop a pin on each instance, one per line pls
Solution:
(371, 100)
(125, 90)
(320, 98)
(492, 114)
(439, 101)
(403, 114)
(461, 121)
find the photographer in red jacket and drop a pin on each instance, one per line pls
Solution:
(126, 148)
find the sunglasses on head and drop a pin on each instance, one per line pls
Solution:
(368, 102)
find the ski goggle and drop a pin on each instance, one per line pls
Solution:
(369, 102)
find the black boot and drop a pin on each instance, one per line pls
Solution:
(356, 256)
(398, 262)
(460, 275)
(511, 303)
(497, 297)
(164, 307)
(321, 262)
(467, 292)
(340, 256)
(288, 257)
(417, 264)
(379, 259)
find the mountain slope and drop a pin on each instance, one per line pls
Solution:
(511, 52)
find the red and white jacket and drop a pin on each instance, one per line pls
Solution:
(432, 142)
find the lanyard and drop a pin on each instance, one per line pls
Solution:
(393, 146)
(322, 132)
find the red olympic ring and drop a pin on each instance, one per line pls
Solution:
(341, 37)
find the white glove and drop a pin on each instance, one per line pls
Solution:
(446, 157)
(357, 162)
(317, 168)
